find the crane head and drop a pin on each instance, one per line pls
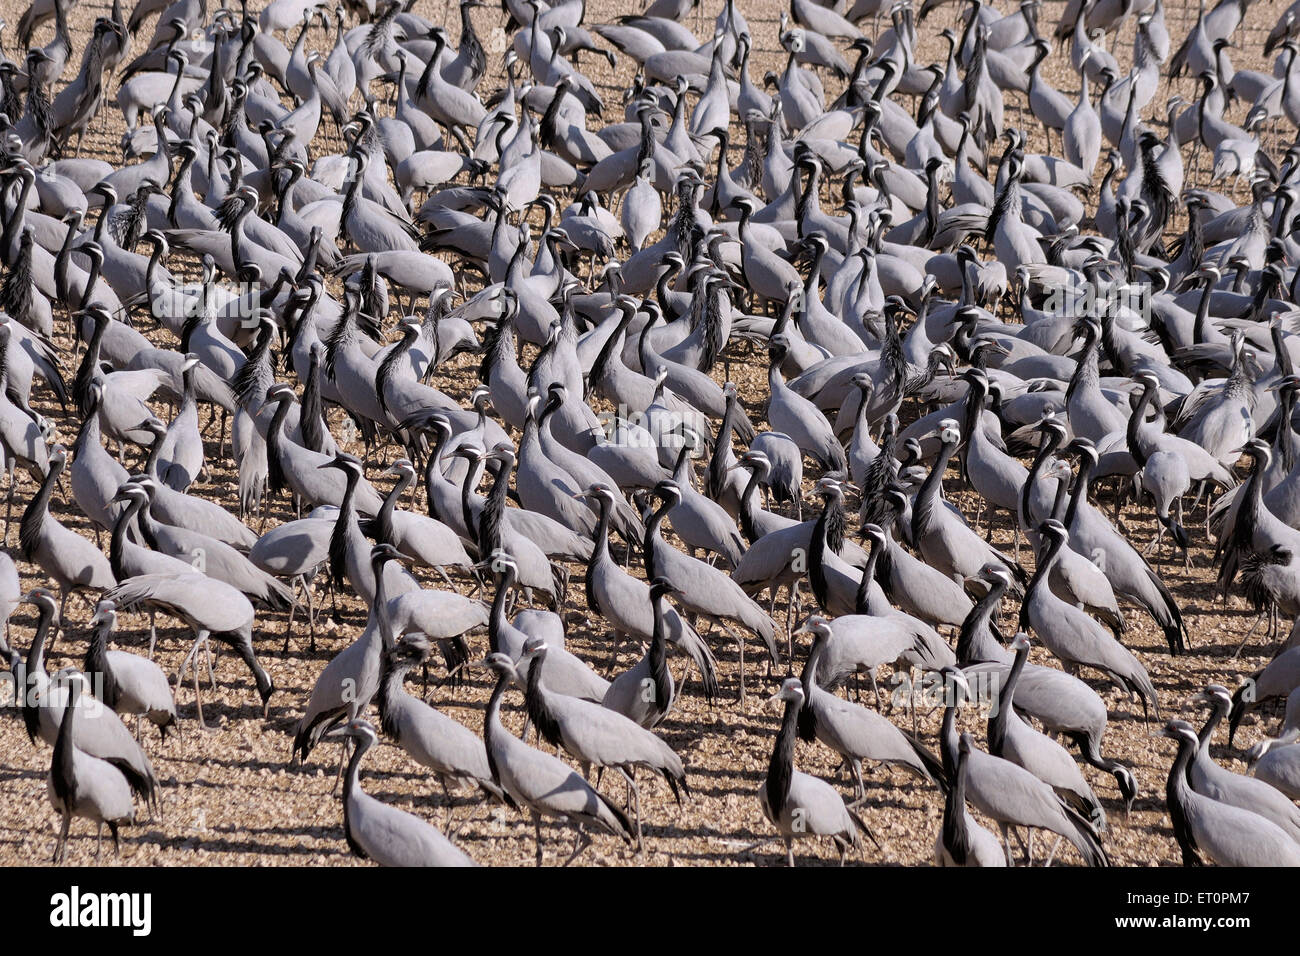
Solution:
(791, 692)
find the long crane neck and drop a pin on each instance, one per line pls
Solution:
(62, 774)
(1041, 574)
(1176, 795)
(492, 728)
(780, 769)
(385, 516)
(974, 640)
(997, 726)
(956, 834)
(497, 616)
(927, 497)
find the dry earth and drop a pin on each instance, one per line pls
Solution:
(232, 798)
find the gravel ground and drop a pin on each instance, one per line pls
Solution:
(231, 798)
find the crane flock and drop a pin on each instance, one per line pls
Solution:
(580, 377)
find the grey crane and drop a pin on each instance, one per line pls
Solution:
(445, 746)
(96, 729)
(1062, 703)
(1009, 794)
(1280, 768)
(201, 515)
(596, 735)
(80, 785)
(385, 834)
(540, 783)
(64, 555)
(940, 534)
(301, 468)
(1211, 780)
(917, 588)
(1011, 738)
(181, 450)
(210, 556)
(795, 416)
(797, 804)
(568, 673)
(128, 683)
(424, 539)
(350, 680)
(1228, 835)
(1286, 734)
(211, 609)
(94, 474)
(625, 602)
(128, 559)
(351, 556)
(702, 588)
(645, 692)
(1130, 575)
(1074, 637)
(853, 731)
(962, 841)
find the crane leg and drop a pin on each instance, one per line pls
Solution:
(63, 607)
(180, 673)
(9, 501)
(1052, 856)
(858, 785)
(334, 601)
(1006, 843)
(61, 845)
(191, 659)
(446, 795)
(581, 844)
(740, 645)
(207, 655)
(288, 627)
(634, 798)
(343, 762)
(789, 852)
(198, 702)
(153, 631)
(1187, 551)
(537, 835)
(1237, 652)
(309, 593)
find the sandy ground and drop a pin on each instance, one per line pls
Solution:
(231, 797)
